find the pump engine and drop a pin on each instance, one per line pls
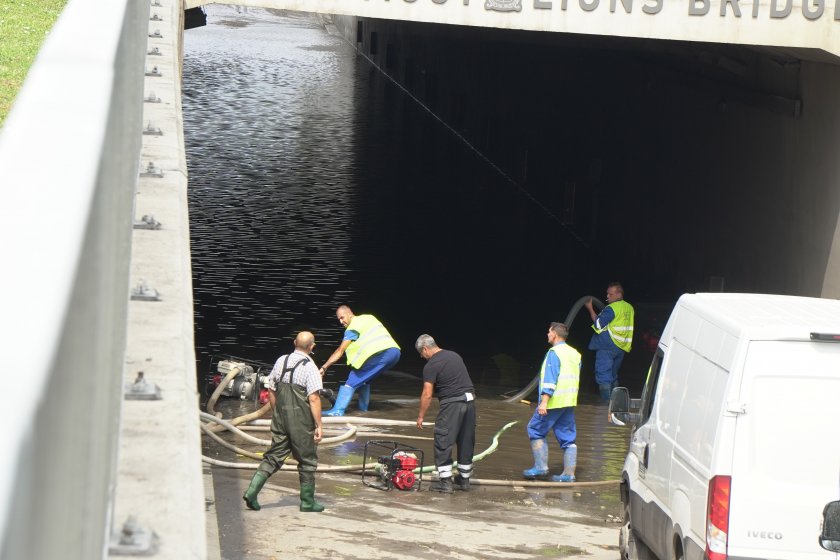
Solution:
(395, 470)
(399, 469)
(242, 385)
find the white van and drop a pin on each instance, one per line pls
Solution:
(735, 452)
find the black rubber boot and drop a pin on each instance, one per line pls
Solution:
(250, 496)
(307, 499)
(444, 485)
(462, 483)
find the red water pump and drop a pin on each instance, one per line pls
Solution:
(395, 470)
(401, 467)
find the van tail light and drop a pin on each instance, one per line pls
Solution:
(717, 518)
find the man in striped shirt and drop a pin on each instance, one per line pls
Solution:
(295, 385)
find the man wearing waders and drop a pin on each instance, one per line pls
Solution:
(559, 381)
(295, 422)
(370, 351)
(446, 375)
(612, 339)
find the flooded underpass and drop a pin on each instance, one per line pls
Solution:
(290, 217)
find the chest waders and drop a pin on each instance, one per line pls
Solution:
(292, 432)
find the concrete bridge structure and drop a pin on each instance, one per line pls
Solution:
(811, 24)
(95, 294)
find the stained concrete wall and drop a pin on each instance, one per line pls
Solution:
(695, 167)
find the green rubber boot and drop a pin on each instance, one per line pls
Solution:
(250, 495)
(307, 499)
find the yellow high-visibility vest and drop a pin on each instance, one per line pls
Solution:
(566, 390)
(621, 327)
(373, 338)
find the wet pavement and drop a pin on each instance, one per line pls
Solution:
(487, 522)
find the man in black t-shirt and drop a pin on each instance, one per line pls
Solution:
(446, 376)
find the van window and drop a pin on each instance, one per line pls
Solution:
(650, 386)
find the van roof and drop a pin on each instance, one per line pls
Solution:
(766, 316)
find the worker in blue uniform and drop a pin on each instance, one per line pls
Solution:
(370, 350)
(558, 391)
(612, 339)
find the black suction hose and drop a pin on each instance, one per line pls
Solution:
(570, 317)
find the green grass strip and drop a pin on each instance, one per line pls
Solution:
(24, 25)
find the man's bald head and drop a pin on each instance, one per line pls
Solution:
(344, 314)
(304, 341)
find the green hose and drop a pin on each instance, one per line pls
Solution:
(494, 445)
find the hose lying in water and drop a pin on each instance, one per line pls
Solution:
(570, 317)
(351, 431)
(291, 465)
(329, 468)
(243, 419)
(353, 420)
(345, 420)
(211, 404)
(326, 431)
(494, 445)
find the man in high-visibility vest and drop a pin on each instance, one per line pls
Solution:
(370, 350)
(558, 391)
(612, 339)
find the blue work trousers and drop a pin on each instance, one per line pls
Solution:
(607, 362)
(373, 366)
(560, 420)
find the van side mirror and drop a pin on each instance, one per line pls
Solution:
(619, 400)
(620, 406)
(830, 537)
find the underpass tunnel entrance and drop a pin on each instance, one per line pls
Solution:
(672, 167)
(694, 167)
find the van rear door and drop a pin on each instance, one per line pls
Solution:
(786, 460)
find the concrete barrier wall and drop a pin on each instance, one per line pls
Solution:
(70, 153)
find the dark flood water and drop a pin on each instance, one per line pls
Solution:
(314, 181)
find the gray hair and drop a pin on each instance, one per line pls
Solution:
(425, 341)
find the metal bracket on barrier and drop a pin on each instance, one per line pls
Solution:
(155, 52)
(144, 293)
(152, 130)
(151, 98)
(156, 34)
(151, 171)
(154, 71)
(133, 540)
(155, 18)
(157, 4)
(147, 222)
(141, 390)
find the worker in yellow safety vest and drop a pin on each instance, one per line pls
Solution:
(612, 339)
(558, 391)
(370, 350)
